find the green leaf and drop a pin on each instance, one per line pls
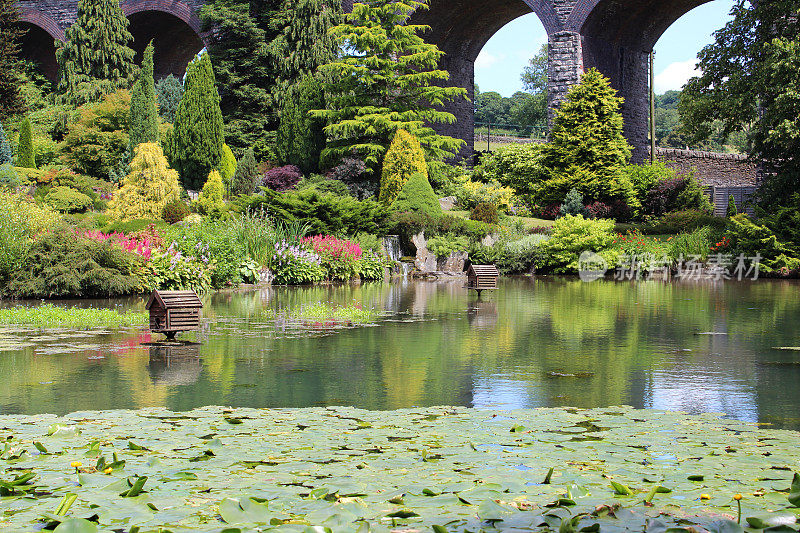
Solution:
(763, 521)
(621, 489)
(695, 477)
(794, 491)
(75, 525)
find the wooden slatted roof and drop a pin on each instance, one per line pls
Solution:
(483, 270)
(175, 300)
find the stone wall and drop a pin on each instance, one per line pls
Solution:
(711, 168)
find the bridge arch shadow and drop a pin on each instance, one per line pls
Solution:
(176, 39)
(37, 44)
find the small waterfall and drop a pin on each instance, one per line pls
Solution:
(391, 243)
(405, 268)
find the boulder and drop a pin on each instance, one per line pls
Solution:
(453, 263)
(447, 203)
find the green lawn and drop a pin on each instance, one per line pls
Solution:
(528, 222)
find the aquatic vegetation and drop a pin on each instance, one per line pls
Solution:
(50, 316)
(441, 469)
(328, 314)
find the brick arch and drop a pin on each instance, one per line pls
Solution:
(171, 7)
(635, 24)
(41, 20)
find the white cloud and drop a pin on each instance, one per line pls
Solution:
(486, 60)
(675, 76)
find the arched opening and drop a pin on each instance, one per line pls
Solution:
(617, 38)
(506, 108)
(175, 42)
(461, 29)
(38, 47)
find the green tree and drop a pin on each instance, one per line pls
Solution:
(403, 159)
(96, 57)
(300, 137)
(197, 139)
(417, 195)
(246, 178)
(587, 151)
(731, 211)
(304, 41)
(212, 197)
(491, 108)
(26, 155)
(245, 71)
(6, 155)
(169, 91)
(751, 80)
(11, 101)
(143, 122)
(386, 79)
(534, 75)
(227, 166)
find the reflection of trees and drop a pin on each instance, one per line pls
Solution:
(440, 345)
(174, 365)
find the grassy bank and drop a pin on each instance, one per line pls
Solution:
(50, 316)
(440, 469)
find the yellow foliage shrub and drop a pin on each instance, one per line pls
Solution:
(471, 193)
(404, 158)
(149, 186)
(212, 198)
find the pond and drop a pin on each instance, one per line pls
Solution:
(535, 342)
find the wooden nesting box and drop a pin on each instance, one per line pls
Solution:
(174, 311)
(482, 277)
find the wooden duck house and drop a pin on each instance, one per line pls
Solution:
(482, 277)
(174, 311)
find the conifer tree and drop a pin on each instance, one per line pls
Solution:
(149, 186)
(11, 101)
(300, 137)
(197, 137)
(587, 151)
(26, 157)
(143, 122)
(6, 155)
(227, 166)
(212, 197)
(245, 179)
(169, 91)
(96, 57)
(403, 159)
(387, 79)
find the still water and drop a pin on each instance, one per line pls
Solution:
(532, 343)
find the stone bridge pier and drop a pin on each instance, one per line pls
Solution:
(615, 36)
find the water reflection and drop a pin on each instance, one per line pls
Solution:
(534, 342)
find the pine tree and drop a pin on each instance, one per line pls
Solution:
(169, 91)
(197, 137)
(11, 101)
(26, 156)
(300, 137)
(143, 122)
(387, 79)
(587, 151)
(6, 155)
(149, 186)
(245, 179)
(403, 159)
(227, 166)
(731, 210)
(96, 57)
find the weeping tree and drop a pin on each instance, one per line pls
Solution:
(96, 57)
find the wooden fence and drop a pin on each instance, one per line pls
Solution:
(741, 195)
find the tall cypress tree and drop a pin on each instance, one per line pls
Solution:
(143, 123)
(11, 102)
(96, 57)
(26, 157)
(197, 137)
(300, 137)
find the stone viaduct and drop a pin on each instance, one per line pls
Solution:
(614, 36)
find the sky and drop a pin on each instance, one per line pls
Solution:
(501, 61)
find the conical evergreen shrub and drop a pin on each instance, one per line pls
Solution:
(143, 122)
(198, 136)
(404, 158)
(417, 195)
(26, 156)
(6, 155)
(246, 178)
